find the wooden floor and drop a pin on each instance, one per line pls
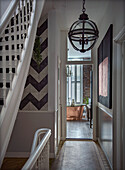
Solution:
(72, 155)
(79, 129)
(80, 155)
(13, 163)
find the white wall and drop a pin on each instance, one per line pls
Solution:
(123, 106)
(28, 122)
(54, 55)
(114, 14)
(51, 61)
(24, 129)
(3, 6)
(63, 80)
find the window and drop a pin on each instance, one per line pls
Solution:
(74, 84)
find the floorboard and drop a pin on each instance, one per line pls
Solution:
(13, 163)
(80, 155)
(79, 129)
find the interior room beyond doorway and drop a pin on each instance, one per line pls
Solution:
(79, 115)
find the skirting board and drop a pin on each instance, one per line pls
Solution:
(104, 152)
(17, 154)
(23, 155)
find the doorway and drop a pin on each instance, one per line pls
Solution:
(79, 101)
(69, 57)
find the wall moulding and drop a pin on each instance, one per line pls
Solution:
(121, 36)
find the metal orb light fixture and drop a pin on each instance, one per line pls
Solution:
(83, 33)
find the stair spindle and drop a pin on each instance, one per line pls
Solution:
(26, 22)
(10, 57)
(23, 27)
(15, 43)
(39, 159)
(4, 74)
(12, 41)
(29, 13)
(19, 20)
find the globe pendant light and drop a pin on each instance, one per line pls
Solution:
(83, 33)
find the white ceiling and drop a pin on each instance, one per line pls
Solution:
(71, 9)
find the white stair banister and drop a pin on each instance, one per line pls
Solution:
(10, 57)
(4, 75)
(19, 26)
(39, 157)
(14, 35)
(15, 42)
(8, 14)
(26, 20)
(23, 23)
(29, 9)
(20, 43)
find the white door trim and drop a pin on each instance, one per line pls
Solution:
(118, 101)
(64, 62)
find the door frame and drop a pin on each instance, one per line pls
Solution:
(64, 62)
(118, 102)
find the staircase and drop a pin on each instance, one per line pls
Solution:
(17, 35)
(12, 42)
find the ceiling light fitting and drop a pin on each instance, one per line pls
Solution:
(83, 33)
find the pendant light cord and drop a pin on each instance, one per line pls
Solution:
(83, 9)
(83, 31)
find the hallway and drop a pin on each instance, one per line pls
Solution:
(79, 129)
(80, 155)
(72, 155)
(47, 86)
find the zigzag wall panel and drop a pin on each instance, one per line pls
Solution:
(35, 96)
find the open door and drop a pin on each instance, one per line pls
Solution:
(59, 104)
(91, 96)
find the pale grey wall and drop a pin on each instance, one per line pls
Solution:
(28, 122)
(54, 54)
(3, 6)
(105, 133)
(25, 127)
(110, 16)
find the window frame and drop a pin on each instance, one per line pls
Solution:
(75, 81)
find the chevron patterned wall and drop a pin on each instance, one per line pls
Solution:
(35, 96)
